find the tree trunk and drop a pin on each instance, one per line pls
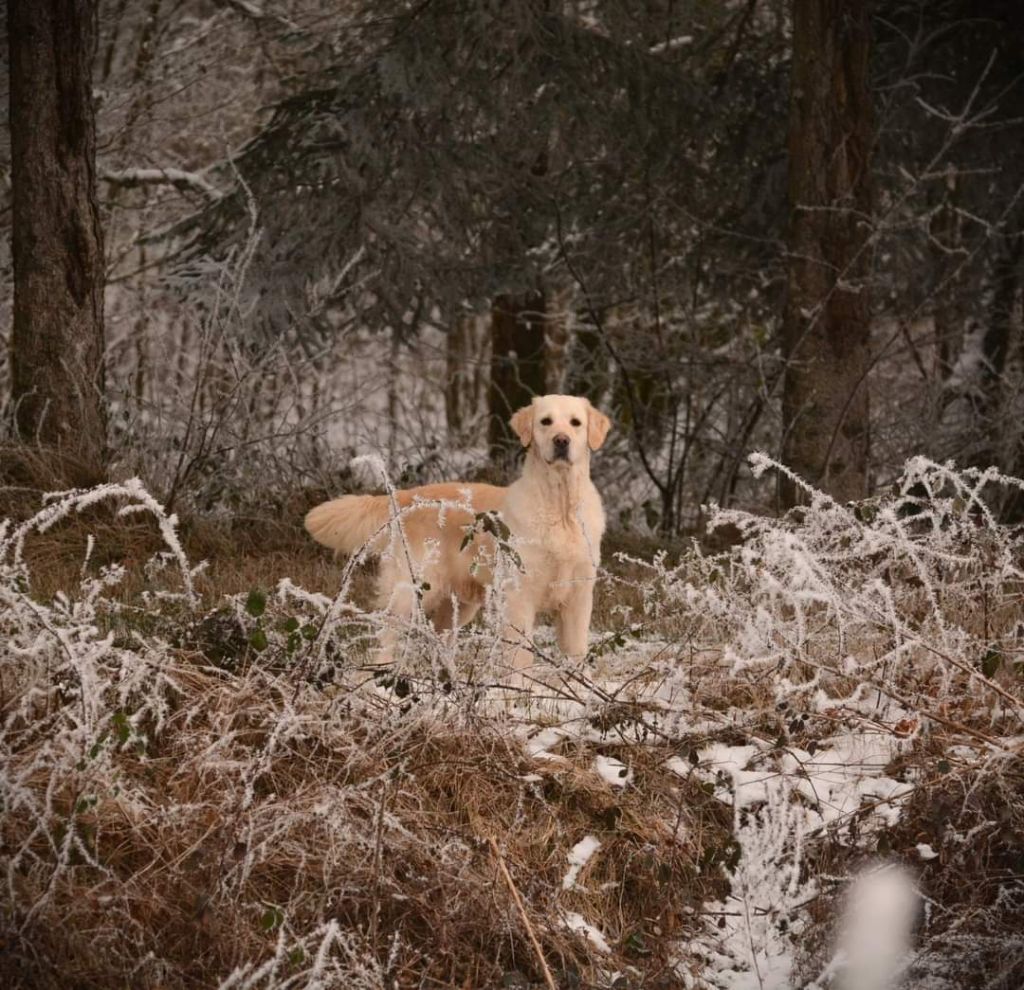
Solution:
(557, 337)
(57, 341)
(517, 367)
(948, 315)
(466, 372)
(999, 429)
(826, 326)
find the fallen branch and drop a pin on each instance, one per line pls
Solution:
(496, 852)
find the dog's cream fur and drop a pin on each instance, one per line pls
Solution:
(553, 513)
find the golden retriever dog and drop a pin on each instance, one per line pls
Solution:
(435, 535)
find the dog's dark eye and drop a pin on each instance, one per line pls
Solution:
(546, 421)
(575, 421)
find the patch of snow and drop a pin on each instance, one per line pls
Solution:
(835, 780)
(673, 43)
(579, 856)
(749, 785)
(749, 938)
(848, 768)
(539, 744)
(679, 766)
(925, 851)
(614, 771)
(577, 923)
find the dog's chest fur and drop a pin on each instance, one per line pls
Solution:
(559, 539)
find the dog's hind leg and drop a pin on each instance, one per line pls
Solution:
(396, 596)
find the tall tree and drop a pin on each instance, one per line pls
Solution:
(517, 366)
(57, 342)
(826, 327)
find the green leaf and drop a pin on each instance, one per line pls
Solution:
(991, 663)
(94, 749)
(290, 625)
(271, 919)
(294, 641)
(256, 603)
(865, 512)
(944, 766)
(309, 631)
(121, 726)
(258, 640)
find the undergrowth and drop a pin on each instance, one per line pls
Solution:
(204, 790)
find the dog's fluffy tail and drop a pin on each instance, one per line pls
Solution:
(351, 522)
(880, 913)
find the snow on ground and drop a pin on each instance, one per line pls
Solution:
(842, 775)
(579, 856)
(577, 923)
(778, 802)
(613, 771)
(780, 797)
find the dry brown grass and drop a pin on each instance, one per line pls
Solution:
(236, 800)
(241, 552)
(382, 824)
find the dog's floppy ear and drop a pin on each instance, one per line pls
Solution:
(598, 425)
(522, 424)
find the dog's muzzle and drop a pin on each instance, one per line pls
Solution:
(560, 447)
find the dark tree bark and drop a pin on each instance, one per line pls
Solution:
(466, 374)
(996, 342)
(826, 327)
(57, 341)
(517, 367)
(999, 438)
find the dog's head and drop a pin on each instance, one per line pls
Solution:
(561, 428)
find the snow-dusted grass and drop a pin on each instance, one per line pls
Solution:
(227, 793)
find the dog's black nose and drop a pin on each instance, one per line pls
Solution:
(561, 441)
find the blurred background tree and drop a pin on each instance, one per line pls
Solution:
(334, 228)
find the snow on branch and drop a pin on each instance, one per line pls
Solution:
(257, 13)
(130, 178)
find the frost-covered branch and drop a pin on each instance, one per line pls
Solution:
(131, 178)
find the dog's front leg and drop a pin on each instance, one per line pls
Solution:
(572, 624)
(518, 632)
